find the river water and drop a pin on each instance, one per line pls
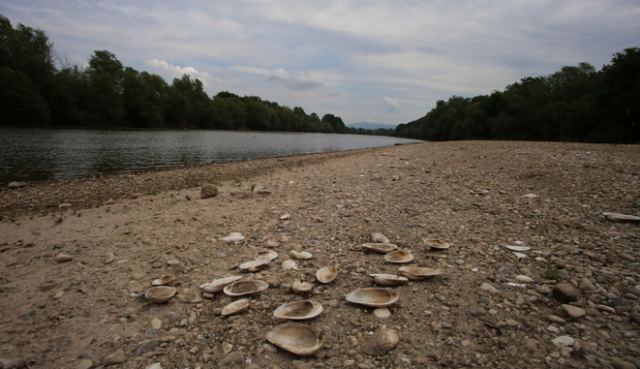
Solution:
(40, 154)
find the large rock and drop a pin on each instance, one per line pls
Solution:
(565, 292)
(208, 191)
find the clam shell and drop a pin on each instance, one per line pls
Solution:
(384, 279)
(242, 288)
(417, 273)
(235, 307)
(517, 248)
(254, 265)
(300, 255)
(164, 280)
(398, 257)
(379, 247)
(301, 287)
(269, 255)
(436, 244)
(297, 338)
(374, 297)
(622, 218)
(298, 310)
(327, 274)
(382, 341)
(289, 265)
(218, 284)
(160, 294)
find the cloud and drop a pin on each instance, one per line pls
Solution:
(347, 57)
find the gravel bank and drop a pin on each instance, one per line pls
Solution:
(568, 296)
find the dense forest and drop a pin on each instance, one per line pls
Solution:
(106, 94)
(576, 103)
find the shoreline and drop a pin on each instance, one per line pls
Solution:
(34, 197)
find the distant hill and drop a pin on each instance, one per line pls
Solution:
(368, 125)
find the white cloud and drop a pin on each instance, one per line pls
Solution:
(170, 71)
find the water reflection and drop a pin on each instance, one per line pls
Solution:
(38, 154)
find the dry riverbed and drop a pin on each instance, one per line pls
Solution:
(77, 255)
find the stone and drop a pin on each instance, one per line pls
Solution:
(618, 363)
(565, 292)
(63, 258)
(563, 341)
(154, 366)
(208, 191)
(235, 357)
(285, 216)
(586, 285)
(156, 323)
(110, 258)
(382, 313)
(573, 312)
(378, 237)
(489, 288)
(16, 184)
(524, 279)
(273, 243)
(84, 364)
(116, 357)
(260, 189)
(289, 265)
(382, 341)
(233, 237)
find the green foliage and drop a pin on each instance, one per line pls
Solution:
(108, 94)
(551, 273)
(576, 103)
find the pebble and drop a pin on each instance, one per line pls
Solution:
(273, 243)
(379, 238)
(109, 258)
(208, 191)
(116, 357)
(382, 313)
(156, 323)
(520, 255)
(260, 189)
(235, 357)
(489, 288)
(524, 279)
(154, 366)
(16, 184)
(233, 237)
(565, 292)
(289, 265)
(84, 364)
(63, 258)
(563, 341)
(573, 311)
(285, 216)
(618, 363)
(553, 329)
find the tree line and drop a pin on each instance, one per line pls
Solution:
(106, 94)
(576, 103)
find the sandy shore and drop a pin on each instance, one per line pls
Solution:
(121, 232)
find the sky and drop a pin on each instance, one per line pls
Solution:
(365, 61)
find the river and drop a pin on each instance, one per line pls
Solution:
(41, 154)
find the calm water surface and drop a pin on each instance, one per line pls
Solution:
(39, 154)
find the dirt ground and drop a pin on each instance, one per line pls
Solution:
(121, 232)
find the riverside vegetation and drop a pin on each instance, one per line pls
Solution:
(106, 94)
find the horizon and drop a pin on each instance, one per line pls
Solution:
(378, 63)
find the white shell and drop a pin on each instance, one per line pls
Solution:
(233, 237)
(327, 274)
(419, 273)
(297, 338)
(160, 294)
(298, 310)
(242, 288)
(218, 284)
(300, 255)
(289, 265)
(436, 244)
(301, 287)
(382, 341)
(379, 247)
(164, 280)
(518, 248)
(235, 307)
(378, 237)
(622, 218)
(269, 255)
(253, 265)
(388, 280)
(398, 257)
(374, 297)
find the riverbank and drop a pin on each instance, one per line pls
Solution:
(123, 231)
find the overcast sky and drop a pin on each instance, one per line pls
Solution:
(375, 61)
